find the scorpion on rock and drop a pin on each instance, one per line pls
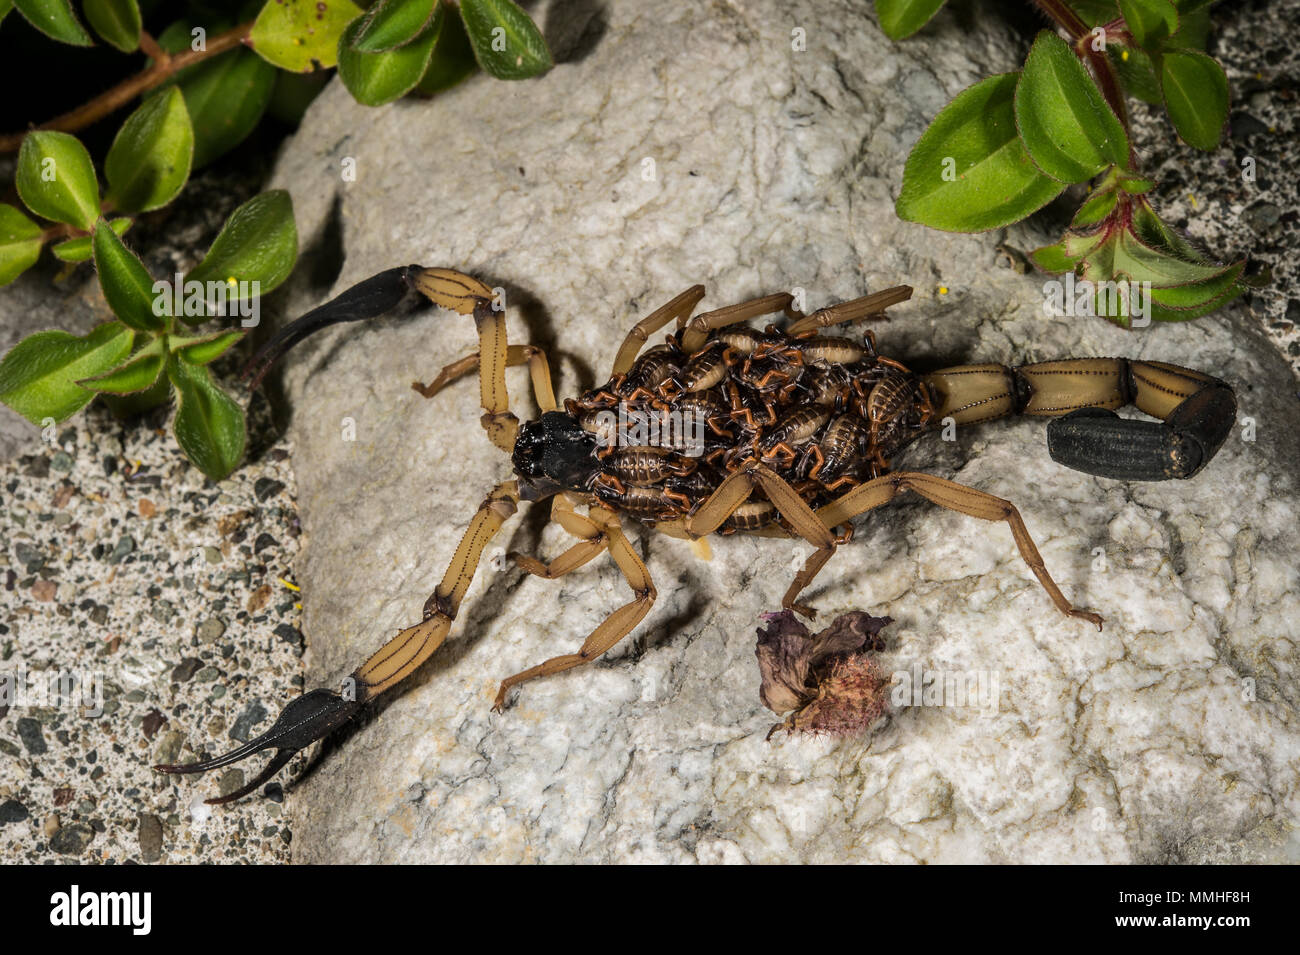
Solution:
(784, 432)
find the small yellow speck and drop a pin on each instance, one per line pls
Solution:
(231, 281)
(1123, 55)
(297, 606)
(943, 290)
(292, 586)
(1192, 199)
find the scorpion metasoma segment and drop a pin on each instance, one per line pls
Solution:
(792, 432)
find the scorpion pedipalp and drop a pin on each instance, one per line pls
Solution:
(310, 717)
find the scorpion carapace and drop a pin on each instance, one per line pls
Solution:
(724, 428)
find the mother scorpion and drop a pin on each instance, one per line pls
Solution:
(799, 430)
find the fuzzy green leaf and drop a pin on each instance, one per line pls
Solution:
(128, 286)
(1136, 73)
(150, 158)
(209, 425)
(38, 378)
(1150, 21)
(259, 243)
(80, 249)
(138, 373)
(203, 349)
(301, 35)
(902, 18)
(55, 19)
(225, 97)
(377, 78)
(453, 58)
(969, 171)
(117, 21)
(1196, 96)
(1070, 132)
(394, 23)
(20, 243)
(506, 42)
(56, 179)
(1054, 259)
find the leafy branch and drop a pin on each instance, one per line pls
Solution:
(1010, 144)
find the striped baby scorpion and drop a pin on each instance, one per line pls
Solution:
(795, 433)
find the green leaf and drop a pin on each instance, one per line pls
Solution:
(259, 243)
(506, 42)
(138, 373)
(301, 35)
(117, 21)
(225, 97)
(57, 180)
(38, 378)
(377, 78)
(394, 23)
(209, 425)
(453, 58)
(202, 349)
(1095, 208)
(902, 18)
(80, 249)
(969, 171)
(20, 243)
(5, 7)
(1054, 259)
(1153, 231)
(1196, 96)
(1208, 291)
(124, 406)
(55, 19)
(1145, 263)
(128, 286)
(1136, 73)
(1193, 27)
(150, 158)
(1070, 132)
(293, 93)
(1150, 21)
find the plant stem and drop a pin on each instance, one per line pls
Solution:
(164, 66)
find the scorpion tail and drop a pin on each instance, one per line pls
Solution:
(310, 717)
(1195, 411)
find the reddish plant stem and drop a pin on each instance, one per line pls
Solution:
(164, 66)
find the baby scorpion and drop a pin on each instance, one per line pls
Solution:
(800, 431)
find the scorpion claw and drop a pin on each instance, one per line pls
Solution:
(1098, 441)
(367, 299)
(310, 717)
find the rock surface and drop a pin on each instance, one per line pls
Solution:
(676, 145)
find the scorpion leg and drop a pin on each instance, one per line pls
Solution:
(614, 627)
(807, 524)
(316, 714)
(697, 329)
(868, 308)
(592, 543)
(539, 371)
(678, 308)
(955, 497)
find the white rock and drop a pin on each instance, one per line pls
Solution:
(773, 169)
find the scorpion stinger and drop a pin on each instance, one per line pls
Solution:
(1098, 441)
(310, 717)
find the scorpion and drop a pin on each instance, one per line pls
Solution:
(796, 431)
